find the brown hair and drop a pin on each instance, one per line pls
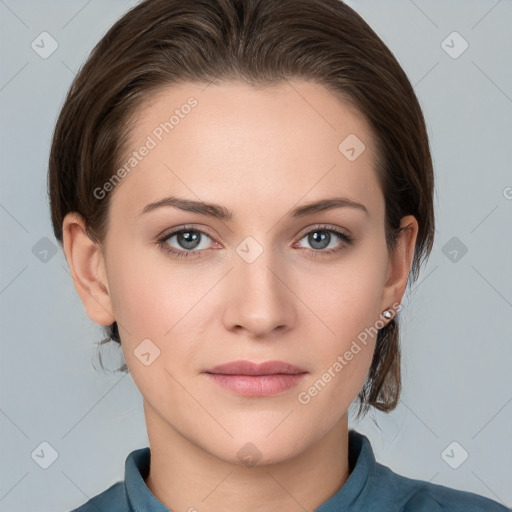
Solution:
(262, 42)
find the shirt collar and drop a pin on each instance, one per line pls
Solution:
(361, 461)
(362, 464)
(139, 496)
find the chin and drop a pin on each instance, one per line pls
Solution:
(255, 449)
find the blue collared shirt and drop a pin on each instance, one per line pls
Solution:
(371, 487)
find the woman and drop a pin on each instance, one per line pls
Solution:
(243, 190)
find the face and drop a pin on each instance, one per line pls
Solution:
(262, 280)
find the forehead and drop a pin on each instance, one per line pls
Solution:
(238, 144)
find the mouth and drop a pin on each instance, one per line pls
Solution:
(257, 369)
(252, 379)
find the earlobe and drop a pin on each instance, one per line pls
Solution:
(400, 262)
(87, 267)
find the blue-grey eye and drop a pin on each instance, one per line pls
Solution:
(320, 239)
(188, 239)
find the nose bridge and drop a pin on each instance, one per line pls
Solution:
(260, 300)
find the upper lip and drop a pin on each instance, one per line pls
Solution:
(250, 368)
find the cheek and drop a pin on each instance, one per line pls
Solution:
(135, 300)
(155, 299)
(136, 292)
(346, 297)
(342, 357)
(151, 305)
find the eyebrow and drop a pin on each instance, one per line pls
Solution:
(220, 212)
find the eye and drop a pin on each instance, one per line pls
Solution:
(184, 242)
(326, 237)
(190, 242)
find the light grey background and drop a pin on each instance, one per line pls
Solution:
(456, 323)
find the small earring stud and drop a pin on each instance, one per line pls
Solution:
(387, 314)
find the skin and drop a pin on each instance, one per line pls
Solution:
(258, 152)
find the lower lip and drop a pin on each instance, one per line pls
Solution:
(257, 385)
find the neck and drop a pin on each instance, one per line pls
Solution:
(184, 476)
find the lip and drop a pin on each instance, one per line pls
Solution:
(242, 367)
(251, 379)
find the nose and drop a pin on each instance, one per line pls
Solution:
(259, 297)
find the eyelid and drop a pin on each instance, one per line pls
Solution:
(168, 233)
(325, 227)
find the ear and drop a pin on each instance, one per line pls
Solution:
(87, 267)
(400, 261)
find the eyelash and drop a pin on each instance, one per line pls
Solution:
(162, 242)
